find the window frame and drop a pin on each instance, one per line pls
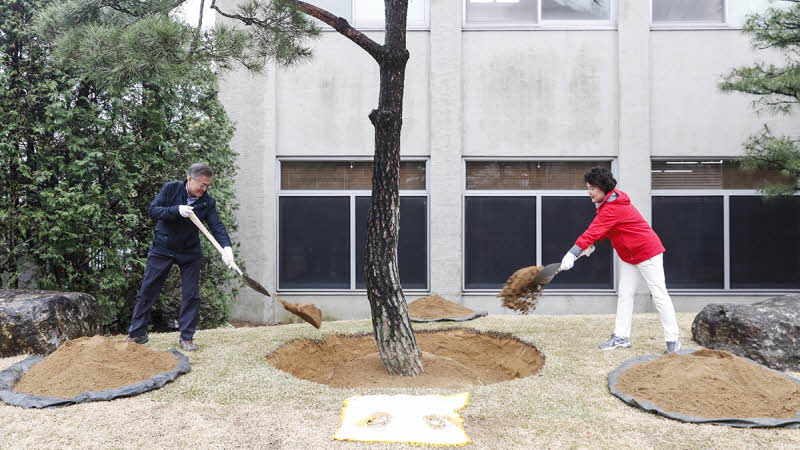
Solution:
(538, 194)
(371, 26)
(352, 194)
(610, 24)
(726, 195)
(666, 26)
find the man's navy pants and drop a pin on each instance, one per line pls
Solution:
(155, 274)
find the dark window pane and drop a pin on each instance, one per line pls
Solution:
(499, 238)
(412, 251)
(765, 243)
(314, 244)
(691, 229)
(563, 220)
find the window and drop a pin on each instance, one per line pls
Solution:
(322, 223)
(523, 213)
(314, 242)
(765, 238)
(688, 11)
(719, 234)
(529, 12)
(370, 13)
(500, 237)
(695, 252)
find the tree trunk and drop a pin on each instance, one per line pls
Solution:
(391, 326)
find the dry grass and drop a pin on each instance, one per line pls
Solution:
(233, 398)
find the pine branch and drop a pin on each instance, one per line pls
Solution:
(339, 24)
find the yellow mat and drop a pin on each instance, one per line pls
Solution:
(409, 419)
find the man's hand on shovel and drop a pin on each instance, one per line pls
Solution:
(227, 257)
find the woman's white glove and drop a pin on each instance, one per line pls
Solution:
(185, 210)
(568, 261)
(227, 257)
(588, 252)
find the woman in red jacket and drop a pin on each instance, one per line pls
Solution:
(639, 249)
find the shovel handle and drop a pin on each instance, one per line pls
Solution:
(199, 224)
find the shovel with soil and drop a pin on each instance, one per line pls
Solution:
(306, 311)
(523, 289)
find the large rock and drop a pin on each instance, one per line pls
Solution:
(34, 321)
(767, 332)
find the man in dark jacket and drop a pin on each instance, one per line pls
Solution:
(176, 240)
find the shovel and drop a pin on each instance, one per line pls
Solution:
(546, 275)
(306, 311)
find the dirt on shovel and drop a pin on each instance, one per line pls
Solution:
(520, 293)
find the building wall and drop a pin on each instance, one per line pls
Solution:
(627, 93)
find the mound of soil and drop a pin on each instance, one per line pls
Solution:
(453, 359)
(712, 384)
(519, 293)
(436, 307)
(93, 364)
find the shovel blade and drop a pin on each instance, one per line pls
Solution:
(255, 285)
(547, 274)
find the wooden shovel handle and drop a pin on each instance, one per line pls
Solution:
(196, 221)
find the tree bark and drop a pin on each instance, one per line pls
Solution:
(391, 325)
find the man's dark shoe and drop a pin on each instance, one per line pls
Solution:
(141, 340)
(188, 346)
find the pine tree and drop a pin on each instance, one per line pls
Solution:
(777, 88)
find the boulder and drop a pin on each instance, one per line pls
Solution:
(767, 331)
(37, 322)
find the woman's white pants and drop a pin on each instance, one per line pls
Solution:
(652, 271)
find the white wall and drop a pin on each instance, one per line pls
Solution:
(324, 105)
(540, 93)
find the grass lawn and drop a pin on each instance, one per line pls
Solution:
(233, 398)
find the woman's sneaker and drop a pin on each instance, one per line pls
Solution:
(673, 346)
(616, 342)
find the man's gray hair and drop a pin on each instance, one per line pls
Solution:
(200, 170)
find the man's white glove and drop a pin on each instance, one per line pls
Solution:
(588, 252)
(185, 210)
(227, 257)
(568, 261)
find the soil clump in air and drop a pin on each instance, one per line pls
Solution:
(519, 293)
(436, 307)
(90, 364)
(712, 384)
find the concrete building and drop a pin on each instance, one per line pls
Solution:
(506, 104)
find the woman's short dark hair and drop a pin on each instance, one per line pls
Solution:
(600, 177)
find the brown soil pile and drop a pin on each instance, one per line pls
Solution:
(453, 359)
(712, 384)
(93, 364)
(519, 293)
(436, 307)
